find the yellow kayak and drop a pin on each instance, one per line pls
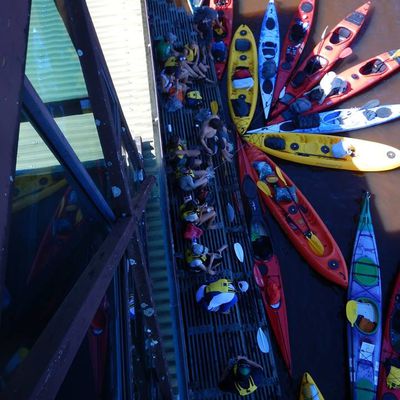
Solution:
(328, 151)
(309, 390)
(242, 79)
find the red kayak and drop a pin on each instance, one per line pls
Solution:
(225, 16)
(354, 80)
(266, 268)
(390, 353)
(293, 45)
(323, 57)
(297, 217)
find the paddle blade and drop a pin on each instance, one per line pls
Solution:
(214, 107)
(348, 51)
(395, 54)
(314, 244)
(262, 341)
(351, 311)
(280, 175)
(230, 212)
(258, 277)
(324, 33)
(239, 251)
(264, 188)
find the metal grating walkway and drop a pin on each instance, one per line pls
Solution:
(210, 340)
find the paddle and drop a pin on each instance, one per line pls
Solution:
(239, 251)
(262, 341)
(214, 107)
(351, 311)
(313, 241)
(230, 211)
(370, 104)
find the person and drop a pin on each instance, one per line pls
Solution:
(192, 212)
(205, 18)
(198, 258)
(180, 156)
(165, 47)
(214, 135)
(192, 53)
(190, 179)
(242, 376)
(220, 296)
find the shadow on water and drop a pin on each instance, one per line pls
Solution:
(316, 309)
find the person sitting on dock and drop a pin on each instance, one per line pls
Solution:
(179, 155)
(198, 258)
(190, 179)
(220, 296)
(242, 376)
(214, 135)
(196, 214)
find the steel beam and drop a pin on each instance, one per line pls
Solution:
(44, 369)
(14, 19)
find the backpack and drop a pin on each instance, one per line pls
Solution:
(219, 51)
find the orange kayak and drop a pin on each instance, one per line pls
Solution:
(297, 217)
(323, 57)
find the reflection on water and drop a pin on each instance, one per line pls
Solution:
(315, 309)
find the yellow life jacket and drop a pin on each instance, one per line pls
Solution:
(243, 391)
(191, 53)
(171, 62)
(184, 171)
(393, 378)
(221, 285)
(191, 257)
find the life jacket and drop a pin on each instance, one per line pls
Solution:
(190, 256)
(191, 53)
(184, 171)
(189, 212)
(245, 392)
(171, 62)
(393, 378)
(220, 286)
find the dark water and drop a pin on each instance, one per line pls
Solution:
(316, 309)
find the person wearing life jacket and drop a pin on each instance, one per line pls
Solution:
(241, 377)
(190, 179)
(192, 212)
(198, 258)
(192, 53)
(220, 296)
(179, 155)
(392, 371)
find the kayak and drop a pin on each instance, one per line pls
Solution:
(389, 383)
(336, 121)
(309, 389)
(225, 16)
(328, 151)
(268, 55)
(353, 81)
(266, 269)
(242, 82)
(293, 45)
(363, 310)
(323, 57)
(297, 217)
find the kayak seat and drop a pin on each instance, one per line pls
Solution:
(275, 143)
(242, 45)
(299, 79)
(373, 67)
(270, 23)
(366, 272)
(315, 64)
(307, 121)
(262, 248)
(297, 33)
(339, 35)
(268, 69)
(240, 107)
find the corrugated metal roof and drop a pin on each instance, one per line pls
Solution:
(119, 27)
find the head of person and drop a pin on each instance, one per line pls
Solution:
(174, 140)
(243, 286)
(216, 123)
(243, 370)
(198, 249)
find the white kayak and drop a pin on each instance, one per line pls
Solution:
(341, 120)
(268, 56)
